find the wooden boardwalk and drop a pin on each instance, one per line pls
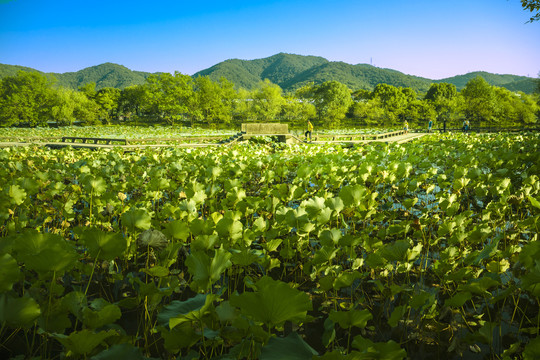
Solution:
(394, 137)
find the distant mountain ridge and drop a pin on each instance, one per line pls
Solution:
(289, 71)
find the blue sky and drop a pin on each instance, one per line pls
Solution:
(429, 38)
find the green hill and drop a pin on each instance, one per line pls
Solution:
(104, 75)
(292, 71)
(511, 82)
(289, 71)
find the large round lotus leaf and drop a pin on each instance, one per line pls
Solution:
(273, 303)
(84, 341)
(10, 272)
(120, 351)
(153, 238)
(44, 252)
(136, 219)
(292, 347)
(347, 319)
(18, 312)
(178, 229)
(103, 244)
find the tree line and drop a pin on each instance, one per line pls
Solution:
(31, 99)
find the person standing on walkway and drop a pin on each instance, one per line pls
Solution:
(430, 125)
(406, 127)
(465, 125)
(309, 130)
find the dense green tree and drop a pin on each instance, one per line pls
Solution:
(297, 111)
(394, 101)
(107, 99)
(367, 112)
(213, 100)
(479, 101)
(68, 106)
(514, 108)
(25, 99)
(168, 97)
(131, 101)
(443, 97)
(89, 89)
(267, 101)
(242, 107)
(332, 100)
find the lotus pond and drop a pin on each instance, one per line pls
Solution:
(428, 249)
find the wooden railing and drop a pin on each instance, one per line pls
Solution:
(89, 140)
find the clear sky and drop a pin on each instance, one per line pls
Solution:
(429, 38)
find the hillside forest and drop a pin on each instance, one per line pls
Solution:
(32, 99)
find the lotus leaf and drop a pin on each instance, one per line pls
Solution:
(179, 312)
(18, 312)
(44, 252)
(152, 238)
(532, 349)
(178, 229)
(206, 271)
(389, 350)
(348, 319)
(17, 194)
(136, 219)
(292, 347)
(10, 272)
(120, 351)
(102, 244)
(102, 316)
(273, 303)
(84, 341)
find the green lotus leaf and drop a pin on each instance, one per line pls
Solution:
(292, 347)
(324, 254)
(120, 351)
(152, 238)
(260, 225)
(10, 272)
(16, 194)
(346, 279)
(368, 349)
(84, 341)
(178, 229)
(348, 319)
(353, 195)
(94, 185)
(532, 349)
(273, 303)
(206, 271)
(204, 242)
(243, 257)
(136, 219)
(458, 299)
(44, 252)
(193, 309)
(201, 226)
(157, 271)
(397, 314)
(105, 315)
(330, 237)
(396, 251)
(534, 202)
(103, 244)
(18, 312)
(229, 228)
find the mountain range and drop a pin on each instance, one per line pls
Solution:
(289, 71)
